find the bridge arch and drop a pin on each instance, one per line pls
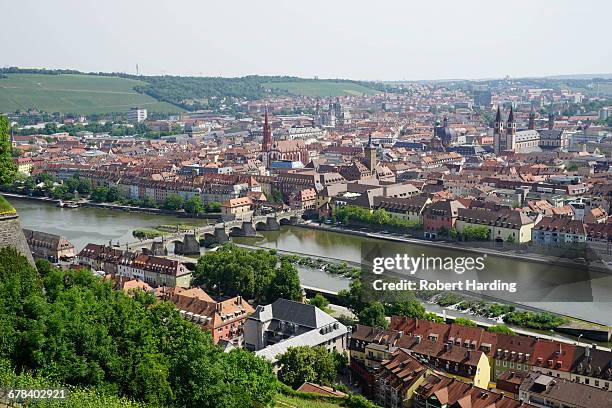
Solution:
(235, 231)
(208, 239)
(172, 244)
(284, 221)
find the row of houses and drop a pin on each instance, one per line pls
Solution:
(402, 381)
(439, 213)
(153, 270)
(474, 355)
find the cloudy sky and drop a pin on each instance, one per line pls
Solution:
(375, 40)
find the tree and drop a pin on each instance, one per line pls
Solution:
(305, 363)
(61, 192)
(173, 202)
(433, 317)
(476, 233)
(462, 321)
(373, 315)
(99, 195)
(285, 284)
(112, 195)
(352, 298)
(411, 308)
(320, 301)
(75, 183)
(193, 205)
(8, 170)
(275, 196)
(535, 320)
(232, 271)
(357, 401)
(73, 327)
(213, 207)
(443, 232)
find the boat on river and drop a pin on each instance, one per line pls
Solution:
(67, 204)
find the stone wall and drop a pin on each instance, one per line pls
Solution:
(11, 235)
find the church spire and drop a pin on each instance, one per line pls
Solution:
(498, 116)
(267, 134)
(532, 119)
(551, 118)
(498, 126)
(511, 125)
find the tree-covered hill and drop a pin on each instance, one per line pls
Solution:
(69, 328)
(66, 90)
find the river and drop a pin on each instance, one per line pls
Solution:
(95, 225)
(84, 225)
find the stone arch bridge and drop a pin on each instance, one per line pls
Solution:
(189, 243)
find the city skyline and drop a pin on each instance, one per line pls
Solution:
(392, 42)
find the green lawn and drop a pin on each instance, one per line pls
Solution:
(285, 401)
(321, 88)
(83, 94)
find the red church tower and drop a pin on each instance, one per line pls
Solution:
(267, 134)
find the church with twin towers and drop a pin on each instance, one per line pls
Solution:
(506, 137)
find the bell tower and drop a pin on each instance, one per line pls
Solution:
(511, 124)
(267, 134)
(551, 120)
(510, 131)
(531, 119)
(498, 133)
(498, 127)
(370, 155)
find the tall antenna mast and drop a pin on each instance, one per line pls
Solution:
(136, 69)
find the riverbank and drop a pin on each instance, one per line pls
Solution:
(121, 207)
(530, 256)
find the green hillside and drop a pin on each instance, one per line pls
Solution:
(69, 93)
(321, 88)
(5, 206)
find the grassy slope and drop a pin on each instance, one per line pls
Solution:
(285, 401)
(321, 88)
(5, 207)
(74, 94)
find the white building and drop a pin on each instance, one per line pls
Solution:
(137, 115)
(273, 328)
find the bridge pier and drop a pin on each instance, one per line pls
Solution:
(158, 248)
(248, 230)
(272, 224)
(220, 235)
(189, 246)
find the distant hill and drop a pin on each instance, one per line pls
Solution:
(581, 76)
(69, 91)
(74, 93)
(321, 87)
(208, 92)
